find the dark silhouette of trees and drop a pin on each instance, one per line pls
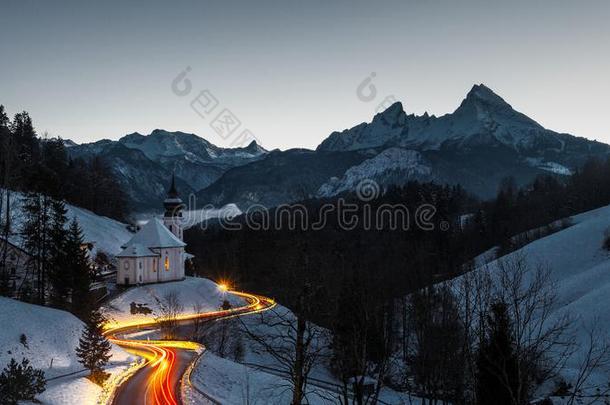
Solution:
(78, 268)
(437, 355)
(497, 365)
(29, 163)
(20, 382)
(59, 275)
(36, 233)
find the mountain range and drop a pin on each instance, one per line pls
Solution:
(483, 141)
(144, 164)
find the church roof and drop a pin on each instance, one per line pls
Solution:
(155, 235)
(137, 250)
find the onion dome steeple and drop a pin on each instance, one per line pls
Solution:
(173, 204)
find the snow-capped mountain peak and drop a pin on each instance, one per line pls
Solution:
(480, 92)
(393, 115)
(483, 118)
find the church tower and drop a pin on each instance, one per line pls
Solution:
(173, 205)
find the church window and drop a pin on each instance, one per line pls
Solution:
(154, 265)
(126, 265)
(166, 263)
(140, 265)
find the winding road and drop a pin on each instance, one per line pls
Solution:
(158, 381)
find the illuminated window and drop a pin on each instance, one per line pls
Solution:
(166, 263)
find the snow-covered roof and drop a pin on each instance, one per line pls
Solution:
(136, 250)
(155, 235)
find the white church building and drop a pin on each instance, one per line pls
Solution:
(156, 253)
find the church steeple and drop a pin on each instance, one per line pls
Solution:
(173, 204)
(173, 193)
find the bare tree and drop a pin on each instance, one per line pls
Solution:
(362, 341)
(542, 335)
(224, 338)
(473, 294)
(541, 339)
(170, 308)
(292, 341)
(197, 321)
(596, 359)
(436, 358)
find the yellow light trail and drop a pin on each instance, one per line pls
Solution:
(161, 354)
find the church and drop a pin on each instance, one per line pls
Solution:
(156, 253)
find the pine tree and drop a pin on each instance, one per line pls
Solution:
(4, 121)
(36, 235)
(78, 268)
(93, 349)
(20, 382)
(24, 131)
(7, 174)
(59, 277)
(497, 377)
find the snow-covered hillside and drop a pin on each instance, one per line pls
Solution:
(190, 291)
(580, 267)
(51, 337)
(106, 234)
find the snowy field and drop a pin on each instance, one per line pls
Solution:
(190, 291)
(51, 337)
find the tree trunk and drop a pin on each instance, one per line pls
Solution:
(297, 395)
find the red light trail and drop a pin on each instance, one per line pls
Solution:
(161, 355)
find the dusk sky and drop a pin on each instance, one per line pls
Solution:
(289, 70)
